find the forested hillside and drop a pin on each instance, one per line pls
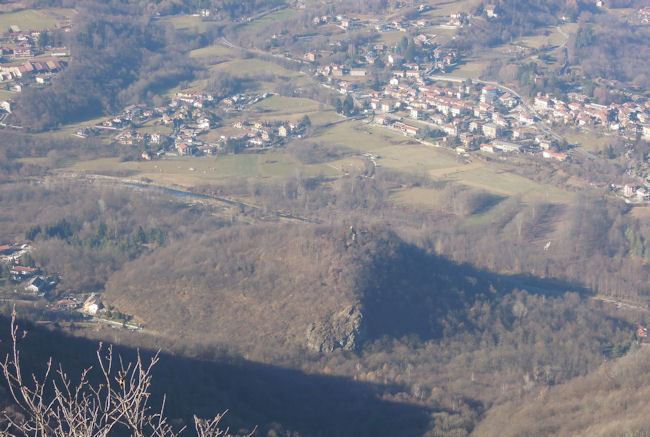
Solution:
(612, 400)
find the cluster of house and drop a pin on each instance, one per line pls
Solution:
(457, 19)
(262, 133)
(434, 59)
(629, 119)
(464, 112)
(17, 44)
(256, 135)
(33, 282)
(41, 69)
(91, 306)
(346, 22)
(190, 114)
(440, 60)
(632, 192)
(31, 62)
(189, 117)
(31, 277)
(10, 253)
(38, 284)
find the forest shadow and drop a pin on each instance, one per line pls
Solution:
(255, 395)
(408, 291)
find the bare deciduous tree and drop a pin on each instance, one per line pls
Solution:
(53, 405)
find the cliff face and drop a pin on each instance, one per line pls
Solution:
(342, 330)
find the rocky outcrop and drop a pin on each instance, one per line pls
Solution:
(342, 330)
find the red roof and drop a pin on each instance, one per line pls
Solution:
(22, 269)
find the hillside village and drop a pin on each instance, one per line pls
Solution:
(188, 117)
(30, 58)
(21, 279)
(419, 100)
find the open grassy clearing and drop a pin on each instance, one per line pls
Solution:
(152, 126)
(287, 106)
(505, 183)
(552, 36)
(200, 170)
(215, 50)
(391, 38)
(445, 8)
(364, 138)
(345, 165)
(470, 67)
(253, 67)
(399, 153)
(593, 142)
(6, 94)
(35, 19)
(71, 129)
(641, 212)
(275, 17)
(323, 117)
(187, 22)
(416, 197)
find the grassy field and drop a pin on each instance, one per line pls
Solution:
(364, 138)
(554, 38)
(5, 95)
(416, 197)
(324, 116)
(253, 67)
(187, 22)
(399, 153)
(214, 50)
(590, 141)
(641, 212)
(34, 19)
(70, 129)
(200, 170)
(287, 106)
(504, 183)
(470, 67)
(273, 18)
(444, 8)
(392, 38)
(151, 127)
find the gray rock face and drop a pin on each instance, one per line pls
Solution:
(342, 330)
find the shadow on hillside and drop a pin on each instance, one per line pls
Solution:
(406, 291)
(254, 394)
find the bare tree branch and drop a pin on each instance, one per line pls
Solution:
(119, 403)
